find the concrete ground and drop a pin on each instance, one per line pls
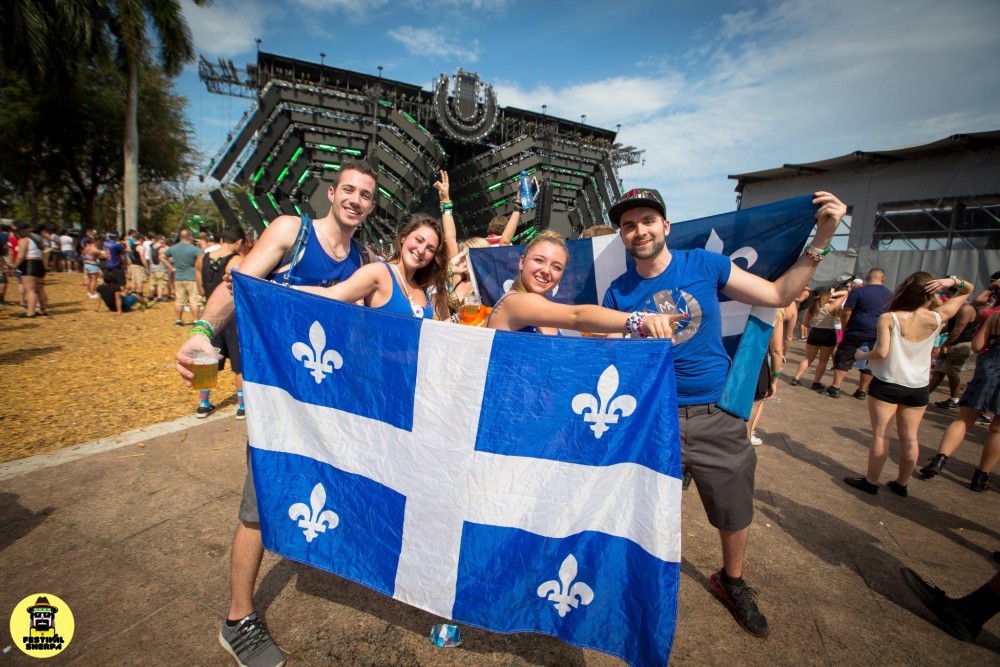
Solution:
(135, 538)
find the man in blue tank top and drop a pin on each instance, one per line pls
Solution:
(714, 445)
(329, 256)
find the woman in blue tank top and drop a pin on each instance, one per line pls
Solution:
(401, 285)
(525, 308)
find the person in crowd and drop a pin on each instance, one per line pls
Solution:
(770, 369)
(955, 351)
(525, 308)
(859, 317)
(328, 255)
(461, 279)
(67, 246)
(989, 298)
(963, 617)
(115, 257)
(91, 257)
(822, 338)
(211, 269)
(180, 259)
(31, 267)
(6, 232)
(137, 269)
(900, 363)
(158, 273)
(116, 298)
(413, 280)
(501, 229)
(981, 395)
(714, 443)
(802, 302)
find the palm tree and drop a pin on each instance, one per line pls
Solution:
(47, 39)
(128, 20)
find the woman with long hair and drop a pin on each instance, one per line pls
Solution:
(403, 284)
(822, 317)
(91, 258)
(900, 363)
(31, 267)
(525, 308)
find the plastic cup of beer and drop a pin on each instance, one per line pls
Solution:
(205, 366)
(470, 309)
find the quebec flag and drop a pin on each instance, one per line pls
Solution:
(764, 240)
(514, 482)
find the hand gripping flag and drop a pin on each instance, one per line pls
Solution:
(515, 482)
(764, 240)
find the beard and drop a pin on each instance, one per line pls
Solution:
(651, 250)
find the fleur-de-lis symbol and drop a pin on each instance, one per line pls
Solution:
(317, 358)
(311, 518)
(564, 593)
(607, 412)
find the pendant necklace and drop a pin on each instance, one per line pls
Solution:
(329, 243)
(418, 311)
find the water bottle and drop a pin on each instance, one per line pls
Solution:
(526, 191)
(863, 364)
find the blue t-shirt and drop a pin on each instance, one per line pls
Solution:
(691, 284)
(866, 303)
(115, 251)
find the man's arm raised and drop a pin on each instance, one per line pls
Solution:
(755, 291)
(259, 262)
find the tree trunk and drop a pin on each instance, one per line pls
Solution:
(130, 191)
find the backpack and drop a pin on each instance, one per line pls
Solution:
(294, 253)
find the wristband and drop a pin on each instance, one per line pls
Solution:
(959, 283)
(205, 325)
(199, 330)
(776, 374)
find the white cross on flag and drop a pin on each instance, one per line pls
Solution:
(515, 482)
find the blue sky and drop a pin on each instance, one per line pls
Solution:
(707, 88)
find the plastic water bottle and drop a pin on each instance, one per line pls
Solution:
(526, 192)
(863, 364)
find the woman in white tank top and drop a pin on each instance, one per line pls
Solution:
(900, 363)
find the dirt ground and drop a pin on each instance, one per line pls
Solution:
(80, 375)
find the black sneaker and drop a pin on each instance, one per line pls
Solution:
(241, 413)
(203, 412)
(860, 395)
(862, 483)
(897, 488)
(818, 386)
(251, 644)
(947, 404)
(795, 382)
(740, 602)
(832, 392)
(941, 606)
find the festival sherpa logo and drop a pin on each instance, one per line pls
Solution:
(42, 625)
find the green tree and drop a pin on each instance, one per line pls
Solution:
(129, 25)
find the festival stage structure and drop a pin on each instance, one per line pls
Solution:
(306, 118)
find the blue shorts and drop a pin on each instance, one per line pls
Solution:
(128, 302)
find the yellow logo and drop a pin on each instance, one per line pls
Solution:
(42, 625)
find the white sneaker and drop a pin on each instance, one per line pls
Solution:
(754, 440)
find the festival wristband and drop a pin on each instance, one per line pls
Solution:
(205, 325)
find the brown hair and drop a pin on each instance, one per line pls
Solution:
(497, 225)
(597, 230)
(548, 236)
(436, 272)
(359, 166)
(911, 293)
(816, 305)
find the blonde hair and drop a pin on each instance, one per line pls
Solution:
(475, 242)
(548, 236)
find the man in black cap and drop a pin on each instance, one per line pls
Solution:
(714, 443)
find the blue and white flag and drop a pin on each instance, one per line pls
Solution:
(764, 240)
(515, 482)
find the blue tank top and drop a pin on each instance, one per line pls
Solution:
(316, 267)
(529, 329)
(400, 305)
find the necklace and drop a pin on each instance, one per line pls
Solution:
(329, 244)
(418, 311)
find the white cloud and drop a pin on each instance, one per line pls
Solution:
(435, 43)
(227, 28)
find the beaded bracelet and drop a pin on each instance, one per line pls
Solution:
(633, 325)
(959, 283)
(206, 325)
(200, 330)
(817, 256)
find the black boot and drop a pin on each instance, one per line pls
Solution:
(934, 467)
(980, 481)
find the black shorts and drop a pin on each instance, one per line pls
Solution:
(843, 360)
(228, 343)
(33, 268)
(897, 394)
(822, 337)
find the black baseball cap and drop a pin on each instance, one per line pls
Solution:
(634, 199)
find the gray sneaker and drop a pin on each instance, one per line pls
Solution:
(251, 644)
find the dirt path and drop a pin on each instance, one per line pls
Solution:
(80, 375)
